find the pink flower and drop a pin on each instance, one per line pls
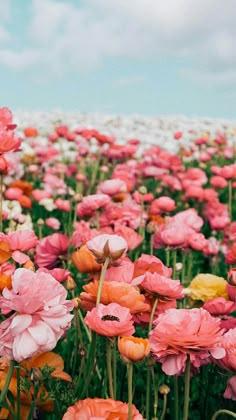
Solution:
(219, 306)
(110, 320)
(22, 240)
(9, 142)
(162, 204)
(151, 264)
(51, 249)
(112, 187)
(228, 362)
(59, 274)
(218, 182)
(39, 195)
(41, 315)
(63, 205)
(13, 193)
(230, 391)
(91, 203)
(122, 273)
(112, 246)
(133, 238)
(182, 332)
(162, 286)
(53, 223)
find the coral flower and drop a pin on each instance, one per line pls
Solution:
(111, 246)
(9, 142)
(114, 292)
(228, 362)
(151, 264)
(36, 363)
(100, 409)
(110, 320)
(182, 332)
(41, 314)
(230, 391)
(133, 349)
(85, 261)
(207, 286)
(161, 286)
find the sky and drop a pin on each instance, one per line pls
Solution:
(150, 57)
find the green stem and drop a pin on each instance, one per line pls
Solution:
(229, 413)
(103, 272)
(78, 337)
(109, 369)
(163, 413)
(186, 388)
(18, 393)
(31, 412)
(176, 397)
(130, 392)
(155, 403)
(167, 257)
(114, 367)
(190, 266)
(183, 268)
(7, 382)
(90, 364)
(148, 384)
(174, 263)
(151, 244)
(152, 314)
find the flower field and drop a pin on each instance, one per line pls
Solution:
(117, 278)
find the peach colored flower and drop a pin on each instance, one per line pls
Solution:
(85, 261)
(114, 292)
(100, 409)
(41, 314)
(182, 332)
(110, 320)
(133, 349)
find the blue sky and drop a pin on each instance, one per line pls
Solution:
(119, 56)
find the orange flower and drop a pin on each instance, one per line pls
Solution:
(25, 201)
(32, 365)
(5, 281)
(5, 252)
(133, 349)
(25, 186)
(85, 261)
(114, 292)
(31, 132)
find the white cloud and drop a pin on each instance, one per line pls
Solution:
(63, 36)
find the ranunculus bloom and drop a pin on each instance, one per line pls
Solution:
(110, 320)
(133, 238)
(114, 292)
(219, 306)
(151, 264)
(91, 203)
(161, 286)
(133, 349)
(103, 246)
(230, 391)
(22, 240)
(53, 223)
(162, 204)
(38, 362)
(228, 362)
(85, 261)
(41, 314)
(182, 332)
(51, 249)
(102, 409)
(207, 286)
(112, 187)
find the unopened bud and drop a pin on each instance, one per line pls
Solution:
(178, 266)
(70, 283)
(40, 222)
(142, 190)
(36, 374)
(77, 302)
(164, 389)
(29, 265)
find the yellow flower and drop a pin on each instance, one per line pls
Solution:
(207, 286)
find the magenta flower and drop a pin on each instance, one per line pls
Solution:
(41, 314)
(182, 332)
(51, 250)
(110, 320)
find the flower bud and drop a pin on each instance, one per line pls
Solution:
(70, 283)
(164, 389)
